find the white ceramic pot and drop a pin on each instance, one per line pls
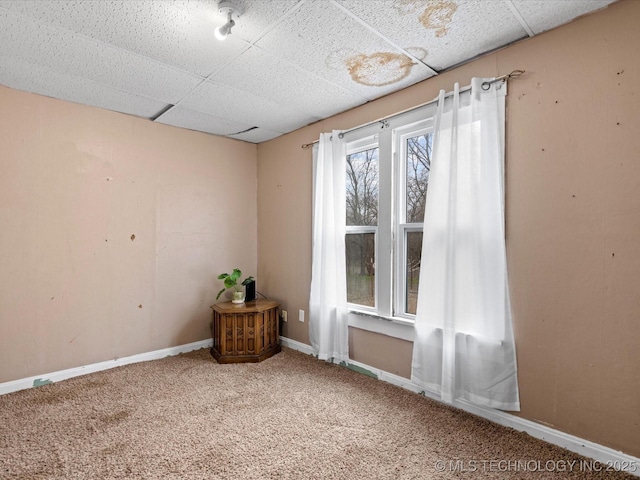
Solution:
(237, 297)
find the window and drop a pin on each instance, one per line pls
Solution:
(362, 222)
(415, 148)
(387, 176)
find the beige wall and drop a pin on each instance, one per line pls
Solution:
(573, 222)
(75, 184)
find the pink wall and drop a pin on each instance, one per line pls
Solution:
(76, 183)
(573, 222)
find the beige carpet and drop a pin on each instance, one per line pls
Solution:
(289, 417)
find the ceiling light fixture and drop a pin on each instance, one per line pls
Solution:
(228, 9)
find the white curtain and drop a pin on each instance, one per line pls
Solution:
(328, 328)
(464, 346)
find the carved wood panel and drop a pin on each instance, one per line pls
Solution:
(247, 333)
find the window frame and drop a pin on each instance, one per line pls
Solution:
(388, 283)
(362, 144)
(401, 226)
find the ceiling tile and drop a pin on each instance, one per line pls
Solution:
(263, 74)
(257, 16)
(442, 33)
(184, 118)
(226, 102)
(256, 135)
(322, 38)
(176, 33)
(536, 12)
(66, 52)
(179, 33)
(21, 75)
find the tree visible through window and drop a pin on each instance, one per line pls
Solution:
(417, 166)
(362, 188)
(387, 176)
(362, 220)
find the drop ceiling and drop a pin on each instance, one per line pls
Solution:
(287, 63)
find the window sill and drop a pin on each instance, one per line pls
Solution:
(402, 328)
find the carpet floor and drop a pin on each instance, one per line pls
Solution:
(289, 417)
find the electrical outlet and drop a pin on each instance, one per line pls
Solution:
(284, 316)
(301, 315)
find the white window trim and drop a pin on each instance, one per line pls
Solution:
(401, 328)
(401, 227)
(382, 318)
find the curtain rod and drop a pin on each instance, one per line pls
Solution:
(385, 120)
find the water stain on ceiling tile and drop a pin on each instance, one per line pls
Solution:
(438, 15)
(418, 52)
(379, 69)
(373, 70)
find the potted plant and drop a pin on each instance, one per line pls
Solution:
(231, 281)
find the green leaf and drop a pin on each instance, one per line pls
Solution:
(220, 293)
(223, 275)
(229, 281)
(236, 274)
(247, 280)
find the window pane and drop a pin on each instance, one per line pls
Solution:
(360, 253)
(418, 166)
(362, 188)
(414, 253)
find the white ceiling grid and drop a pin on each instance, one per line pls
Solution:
(286, 64)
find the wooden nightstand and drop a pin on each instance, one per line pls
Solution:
(249, 332)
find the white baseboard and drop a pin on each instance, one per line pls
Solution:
(294, 345)
(46, 378)
(608, 458)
